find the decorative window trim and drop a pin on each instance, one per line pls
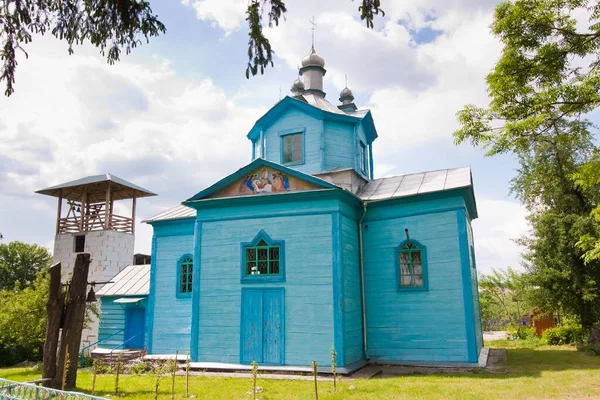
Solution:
(362, 156)
(262, 235)
(397, 268)
(178, 291)
(287, 132)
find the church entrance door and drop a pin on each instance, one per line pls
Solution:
(262, 326)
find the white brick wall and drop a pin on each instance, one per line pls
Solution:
(110, 252)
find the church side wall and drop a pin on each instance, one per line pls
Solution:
(289, 122)
(340, 149)
(306, 228)
(474, 287)
(420, 326)
(112, 323)
(170, 315)
(352, 307)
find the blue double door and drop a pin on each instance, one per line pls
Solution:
(262, 333)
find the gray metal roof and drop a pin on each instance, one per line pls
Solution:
(413, 184)
(134, 280)
(95, 188)
(323, 104)
(177, 212)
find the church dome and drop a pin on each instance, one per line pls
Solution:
(346, 95)
(313, 59)
(298, 85)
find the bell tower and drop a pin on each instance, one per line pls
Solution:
(87, 222)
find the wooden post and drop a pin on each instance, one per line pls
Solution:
(60, 200)
(82, 215)
(173, 377)
(133, 215)
(54, 309)
(73, 321)
(315, 373)
(107, 212)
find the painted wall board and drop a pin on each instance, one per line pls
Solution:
(308, 285)
(415, 325)
(352, 307)
(171, 315)
(111, 326)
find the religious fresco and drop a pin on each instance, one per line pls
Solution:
(265, 180)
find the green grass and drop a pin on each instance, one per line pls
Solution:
(541, 372)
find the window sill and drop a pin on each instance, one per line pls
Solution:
(185, 295)
(262, 279)
(412, 289)
(291, 164)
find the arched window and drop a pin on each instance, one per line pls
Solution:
(411, 266)
(263, 259)
(185, 271)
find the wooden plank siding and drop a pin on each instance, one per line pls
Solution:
(423, 326)
(171, 315)
(308, 285)
(352, 306)
(475, 288)
(112, 320)
(289, 121)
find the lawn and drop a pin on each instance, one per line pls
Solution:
(534, 373)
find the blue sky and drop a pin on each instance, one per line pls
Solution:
(173, 115)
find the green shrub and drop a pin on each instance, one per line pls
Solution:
(141, 367)
(565, 334)
(521, 333)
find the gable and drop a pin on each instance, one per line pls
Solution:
(264, 180)
(261, 177)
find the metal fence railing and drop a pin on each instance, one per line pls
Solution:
(18, 391)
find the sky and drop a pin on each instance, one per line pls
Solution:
(173, 115)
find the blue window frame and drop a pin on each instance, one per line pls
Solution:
(292, 146)
(363, 158)
(263, 259)
(411, 266)
(185, 272)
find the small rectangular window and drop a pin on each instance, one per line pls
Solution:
(363, 157)
(292, 148)
(79, 243)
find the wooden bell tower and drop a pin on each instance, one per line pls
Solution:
(87, 222)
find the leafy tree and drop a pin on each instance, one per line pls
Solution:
(545, 82)
(117, 25)
(20, 262)
(23, 321)
(503, 295)
(547, 78)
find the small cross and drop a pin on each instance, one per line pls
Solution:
(279, 92)
(346, 76)
(314, 25)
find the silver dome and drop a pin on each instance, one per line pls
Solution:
(297, 85)
(346, 96)
(313, 59)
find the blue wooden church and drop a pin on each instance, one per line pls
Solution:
(302, 250)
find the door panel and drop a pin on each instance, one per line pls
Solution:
(273, 327)
(135, 325)
(262, 326)
(251, 332)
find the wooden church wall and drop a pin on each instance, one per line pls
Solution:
(474, 286)
(171, 316)
(352, 307)
(425, 325)
(112, 323)
(306, 228)
(293, 121)
(340, 148)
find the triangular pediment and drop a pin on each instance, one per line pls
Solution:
(262, 177)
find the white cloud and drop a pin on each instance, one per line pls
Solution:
(499, 222)
(227, 14)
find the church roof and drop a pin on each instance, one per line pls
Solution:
(420, 183)
(95, 189)
(413, 184)
(178, 212)
(134, 280)
(319, 107)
